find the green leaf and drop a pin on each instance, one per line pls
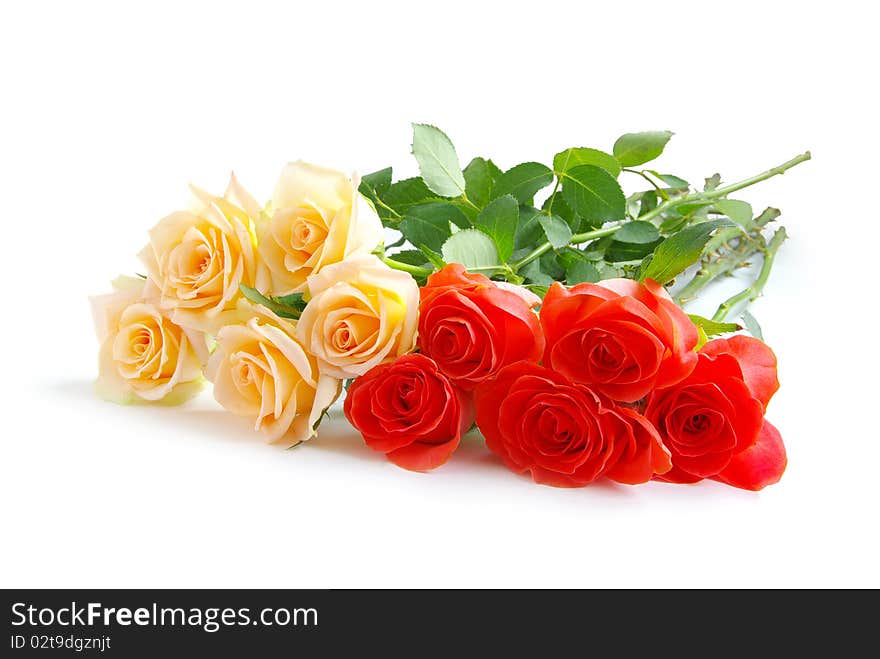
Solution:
(406, 193)
(373, 186)
(388, 215)
(274, 304)
(556, 205)
(608, 271)
(618, 251)
(551, 265)
(294, 301)
(378, 181)
(680, 250)
(637, 232)
(673, 182)
(593, 194)
(450, 211)
(595, 251)
(429, 224)
(410, 256)
(690, 207)
(738, 211)
(438, 162)
(534, 275)
(752, 325)
(499, 221)
(523, 181)
(479, 181)
(528, 229)
(713, 328)
(473, 249)
(638, 148)
(433, 257)
(673, 223)
(565, 160)
(557, 231)
(712, 182)
(580, 272)
(639, 203)
(578, 268)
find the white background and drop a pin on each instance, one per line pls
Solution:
(107, 111)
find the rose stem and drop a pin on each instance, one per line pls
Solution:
(723, 264)
(694, 196)
(414, 270)
(727, 189)
(717, 263)
(575, 240)
(753, 291)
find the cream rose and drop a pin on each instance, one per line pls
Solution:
(361, 313)
(144, 355)
(317, 217)
(259, 370)
(197, 259)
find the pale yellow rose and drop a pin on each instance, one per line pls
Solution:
(361, 313)
(144, 356)
(317, 218)
(261, 371)
(197, 259)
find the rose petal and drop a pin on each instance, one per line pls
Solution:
(760, 465)
(757, 361)
(423, 457)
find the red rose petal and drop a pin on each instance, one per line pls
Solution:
(760, 465)
(410, 411)
(472, 328)
(423, 457)
(648, 457)
(578, 322)
(757, 361)
(679, 476)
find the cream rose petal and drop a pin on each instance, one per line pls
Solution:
(324, 205)
(144, 356)
(197, 259)
(282, 402)
(347, 292)
(303, 184)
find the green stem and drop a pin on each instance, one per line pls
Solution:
(727, 189)
(645, 176)
(575, 240)
(721, 265)
(752, 292)
(718, 262)
(414, 270)
(763, 176)
(489, 268)
(661, 208)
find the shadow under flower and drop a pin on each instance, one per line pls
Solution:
(201, 413)
(336, 436)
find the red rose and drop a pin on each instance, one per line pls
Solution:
(564, 433)
(472, 328)
(620, 337)
(756, 360)
(409, 411)
(713, 421)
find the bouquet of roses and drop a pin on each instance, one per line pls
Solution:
(550, 326)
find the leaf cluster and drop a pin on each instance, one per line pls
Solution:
(569, 221)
